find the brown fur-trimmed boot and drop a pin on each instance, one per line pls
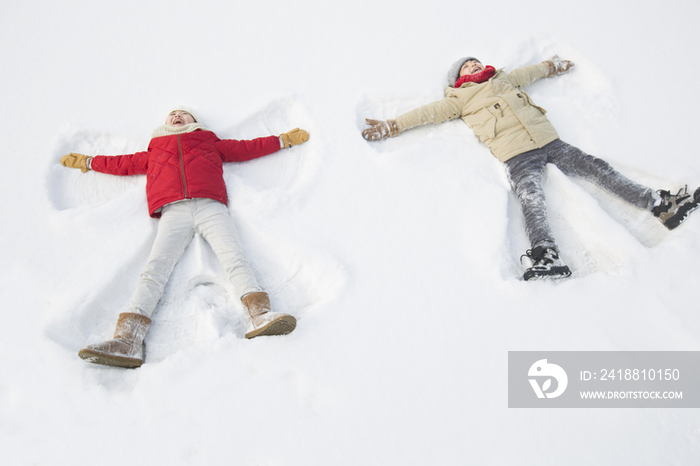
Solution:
(263, 321)
(126, 349)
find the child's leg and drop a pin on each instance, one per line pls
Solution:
(526, 175)
(175, 231)
(574, 162)
(216, 226)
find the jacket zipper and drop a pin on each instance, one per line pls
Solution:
(182, 166)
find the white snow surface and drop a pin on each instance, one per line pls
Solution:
(400, 259)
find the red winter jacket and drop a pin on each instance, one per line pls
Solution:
(185, 166)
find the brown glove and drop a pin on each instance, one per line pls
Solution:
(379, 129)
(558, 66)
(73, 160)
(294, 137)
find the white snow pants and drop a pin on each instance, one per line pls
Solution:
(176, 228)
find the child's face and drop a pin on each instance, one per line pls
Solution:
(179, 118)
(471, 67)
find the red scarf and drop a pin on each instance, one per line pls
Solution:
(479, 77)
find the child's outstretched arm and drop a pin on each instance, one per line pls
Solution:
(555, 66)
(436, 112)
(234, 150)
(124, 165)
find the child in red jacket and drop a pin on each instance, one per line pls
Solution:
(186, 190)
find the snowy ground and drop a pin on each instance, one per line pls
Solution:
(399, 258)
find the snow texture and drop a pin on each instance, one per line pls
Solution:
(399, 258)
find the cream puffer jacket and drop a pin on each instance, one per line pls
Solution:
(498, 110)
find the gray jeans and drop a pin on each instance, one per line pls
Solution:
(526, 173)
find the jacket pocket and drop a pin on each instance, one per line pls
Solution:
(527, 99)
(483, 123)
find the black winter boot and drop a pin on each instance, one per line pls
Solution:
(545, 264)
(674, 208)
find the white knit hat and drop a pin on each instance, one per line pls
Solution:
(185, 109)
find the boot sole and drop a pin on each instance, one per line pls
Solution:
(104, 359)
(551, 274)
(280, 326)
(680, 216)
